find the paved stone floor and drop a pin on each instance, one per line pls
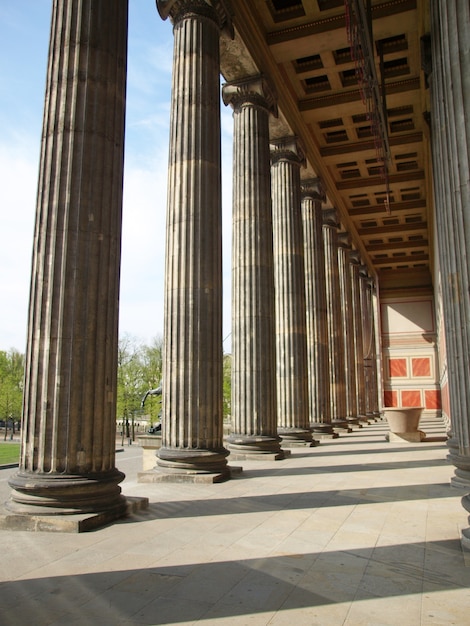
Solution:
(356, 531)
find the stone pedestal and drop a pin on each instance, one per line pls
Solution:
(67, 479)
(149, 444)
(254, 407)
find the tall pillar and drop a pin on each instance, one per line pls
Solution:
(289, 281)
(344, 250)
(376, 391)
(336, 362)
(450, 98)
(358, 336)
(368, 342)
(313, 195)
(192, 417)
(67, 463)
(254, 405)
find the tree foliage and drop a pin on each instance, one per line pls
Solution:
(227, 386)
(139, 370)
(11, 385)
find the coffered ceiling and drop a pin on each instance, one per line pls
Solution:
(303, 46)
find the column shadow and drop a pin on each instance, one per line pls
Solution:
(239, 588)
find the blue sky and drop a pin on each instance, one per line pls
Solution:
(24, 40)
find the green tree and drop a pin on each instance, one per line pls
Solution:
(152, 361)
(11, 387)
(227, 387)
(130, 383)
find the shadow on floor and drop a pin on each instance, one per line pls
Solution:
(290, 501)
(233, 589)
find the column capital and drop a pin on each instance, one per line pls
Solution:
(330, 217)
(368, 279)
(287, 149)
(219, 11)
(313, 188)
(254, 90)
(355, 257)
(344, 240)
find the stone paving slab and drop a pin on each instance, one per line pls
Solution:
(357, 531)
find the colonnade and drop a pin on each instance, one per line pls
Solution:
(303, 325)
(449, 79)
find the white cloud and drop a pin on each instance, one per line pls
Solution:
(18, 198)
(143, 252)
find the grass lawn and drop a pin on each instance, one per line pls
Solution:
(9, 452)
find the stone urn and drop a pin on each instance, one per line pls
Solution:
(403, 422)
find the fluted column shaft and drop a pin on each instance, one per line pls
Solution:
(449, 243)
(289, 281)
(375, 361)
(254, 401)
(313, 195)
(344, 250)
(192, 417)
(450, 99)
(68, 435)
(368, 340)
(337, 372)
(358, 336)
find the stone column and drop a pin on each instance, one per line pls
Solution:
(368, 342)
(344, 250)
(192, 418)
(336, 370)
(313, 195)
(254, 407)
(289, 281)
(358, 336)
(376, 391)
(67, 463)
(449, 243)
(450, 114)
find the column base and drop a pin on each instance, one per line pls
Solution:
(341, 424)
(300, 444)
(466, 502)
(256, 448)
(157, 475)
(465, 540)
(190, 465)
(461, 478)
(295, 437)
(354, 422)
(453, 445)
(69, 523)
(323, 430)
(465, 537)
(253, 456)
(66, 494)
